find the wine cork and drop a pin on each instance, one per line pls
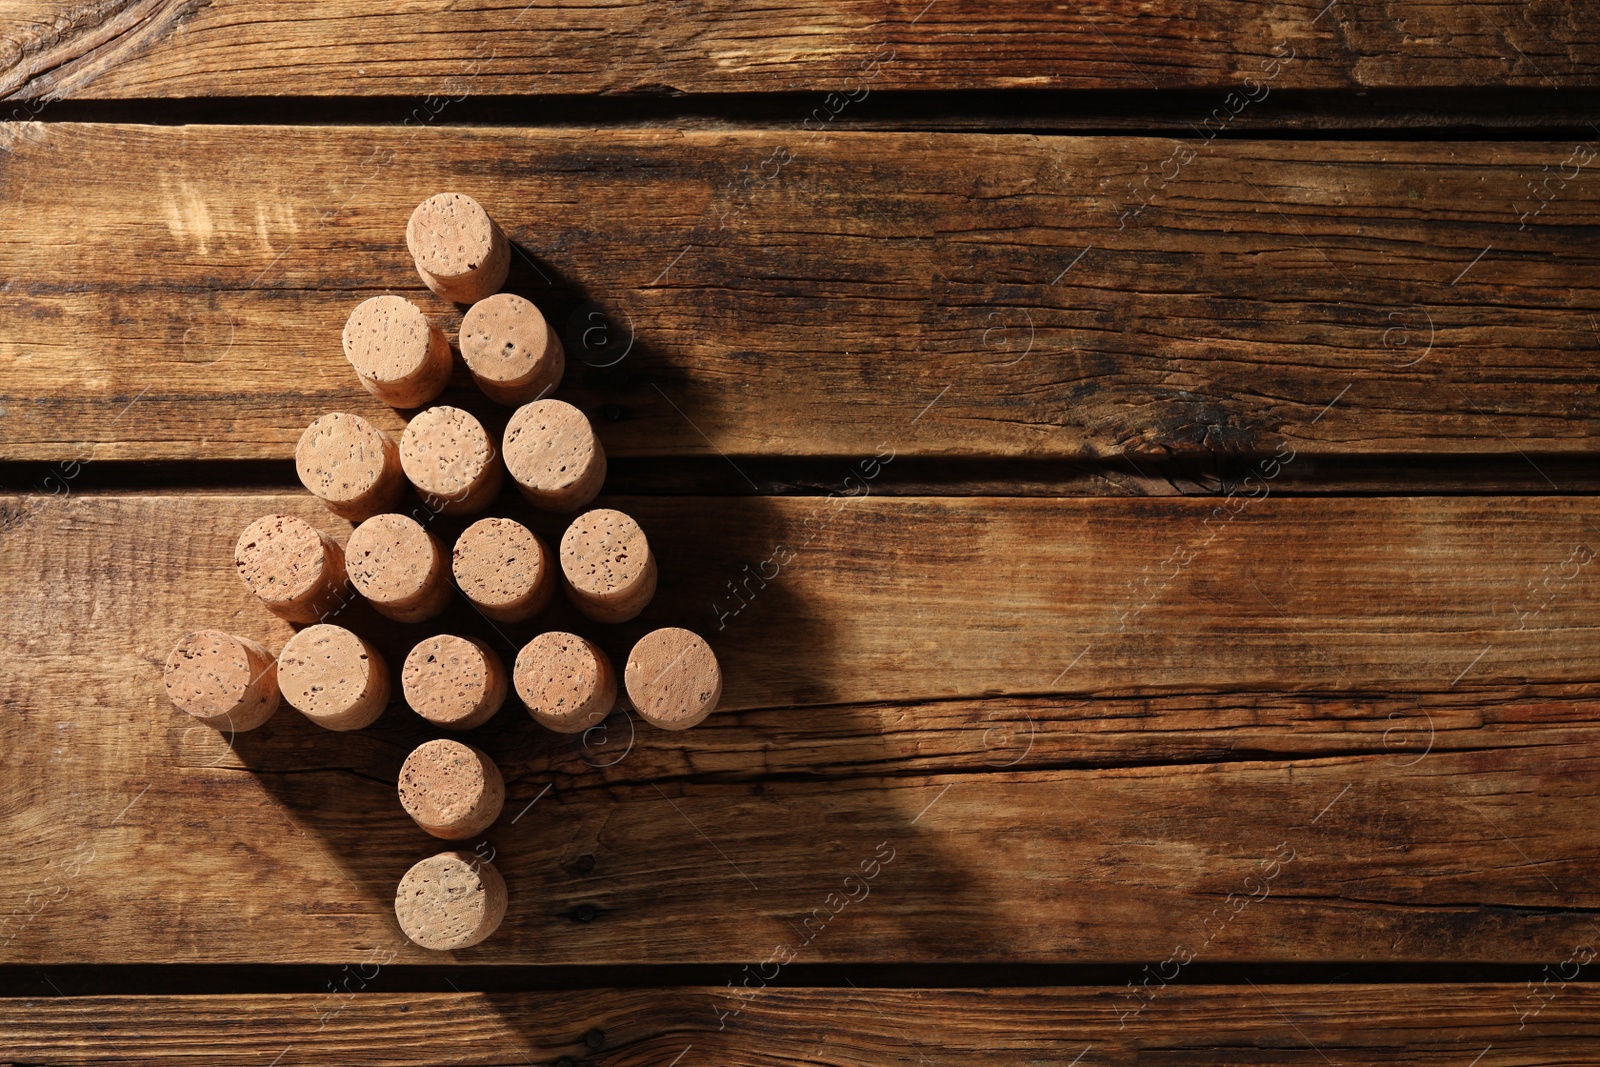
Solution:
(451, 790)
(460, 252)
(566, 682)
(296, 570)
(228, 683)
(554, 456)
(350, 465)
(449, 901)
(399, 567)
(504, 569)
(457, 683)
(609, 569)
(449, 457)
(402, 358)
(673, 678)
(333, 678)
(510, 349)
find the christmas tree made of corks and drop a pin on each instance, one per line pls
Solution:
(338, 680)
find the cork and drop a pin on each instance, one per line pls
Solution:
(504, 569)
(296, 570)
(451, 790)
(510, 349)
(457, 683)
(449, 457)
(229, 683)
(350, 465)
(460, 252)
(402, 358)
(333, 678)
(673, 678)
(566, 682)
(554, 456)
(399, 567)
(449, 901)
(609, 569)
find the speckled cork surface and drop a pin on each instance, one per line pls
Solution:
(457, 683)
(226, 682)
(450, 789)
(401, 358)
(566, 682)
(399, 567)
(450, 901)
(553, 455)
(510, 349)
(504, 569)
(673, 678)
(609, 570)
(460, 252)
(296, 570)
(333, 678)
(350, 465)
(450, 458)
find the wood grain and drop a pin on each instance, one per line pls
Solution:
(1440, 821)
(181, 48)
(1344, 1024)
(938, 295)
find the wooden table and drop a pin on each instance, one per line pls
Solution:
(1135, 462)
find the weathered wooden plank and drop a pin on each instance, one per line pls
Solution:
(1207, 1024)
(931, 598)
(181, 296)
(1440, 822)
(161, 48)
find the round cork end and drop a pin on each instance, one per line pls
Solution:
(510, 349)
(350, 465)
(449, 901)
(504, 569)
(554, 456)
(673, 678)
(228, 683)
(459, 251)
(448, 456)
(610, 572)
(333, 678)
(297, 571)
(451, 790)
(399, 356)
(399, 567)
(566, 682)
(454, 682)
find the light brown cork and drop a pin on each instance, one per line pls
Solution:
(451, 790)
(566, 682)
(350, 465)
(673, 678)
(449, 901)
(399, 567)
(460, 252)
(229, 683)
(609, 569)
(450, 458)
(296, 570)
(512, 352)
(457, 683)
(554, 456)
(402, 358)
(504, 569)
(333, 678)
